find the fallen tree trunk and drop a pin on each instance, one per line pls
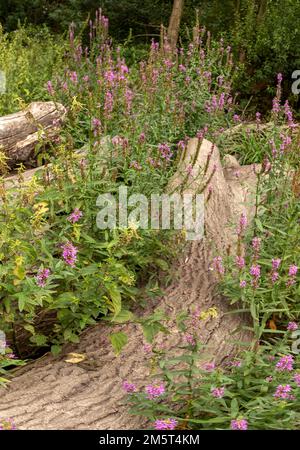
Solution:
(22, 131)
(53, 394)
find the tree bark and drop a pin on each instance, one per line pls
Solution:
(22, 131)
(174, 24)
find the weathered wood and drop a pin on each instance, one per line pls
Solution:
(21, 132)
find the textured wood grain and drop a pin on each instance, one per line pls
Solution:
(20, 132)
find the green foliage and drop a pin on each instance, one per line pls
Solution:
(210, 399)
(29, 57)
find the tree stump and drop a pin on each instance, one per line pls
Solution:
(20, 132)
(53, 394)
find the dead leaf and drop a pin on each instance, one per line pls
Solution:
(75, 358)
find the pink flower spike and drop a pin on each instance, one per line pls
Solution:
(129, 387)
(218, 392)
(292, 326)
(239, 424)
(75, 215)
(69, 253)
(165, 424)
(285, 363)
(154, 391)
(293, 269)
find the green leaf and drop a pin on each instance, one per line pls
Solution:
(234, 407)
(39, 339)
(55, 349)
(115, 296)
(29, 328)
(21, 301)
(123, 316)
(118, 341)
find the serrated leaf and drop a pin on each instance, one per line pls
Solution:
(118, 341)
(123, 316)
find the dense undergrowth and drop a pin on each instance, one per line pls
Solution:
(132, 123)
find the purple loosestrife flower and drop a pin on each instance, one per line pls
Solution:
(110, 76)
(293, 270)
(147, 348)
(218, 265)
(128, 100)
(243, 283)
(154, 390)
(129, 387)
(117, 140)
(285, 363)
(255, 270)
(165, 424)
(189, 338)
(233, 363)
(240, 262)
(74, 77)
(50, 88)
(275, 276)
(296, 378)
(69, 253)
(269, 379)
(96, 126)
(42, 276)
(218, 392)
(236, 118)
(283, 391)
(239, 424)
(142, 138)
(108, 103)
(275, 106)
(209, 367)
(276, 263)
(292, 326)
(292, 274)
(273, 147)
(75, 215)
(289, 115)
(165, 151)
(242, 224)
(181, 145)
(8, 424)
(256, 243)
(135, 165)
